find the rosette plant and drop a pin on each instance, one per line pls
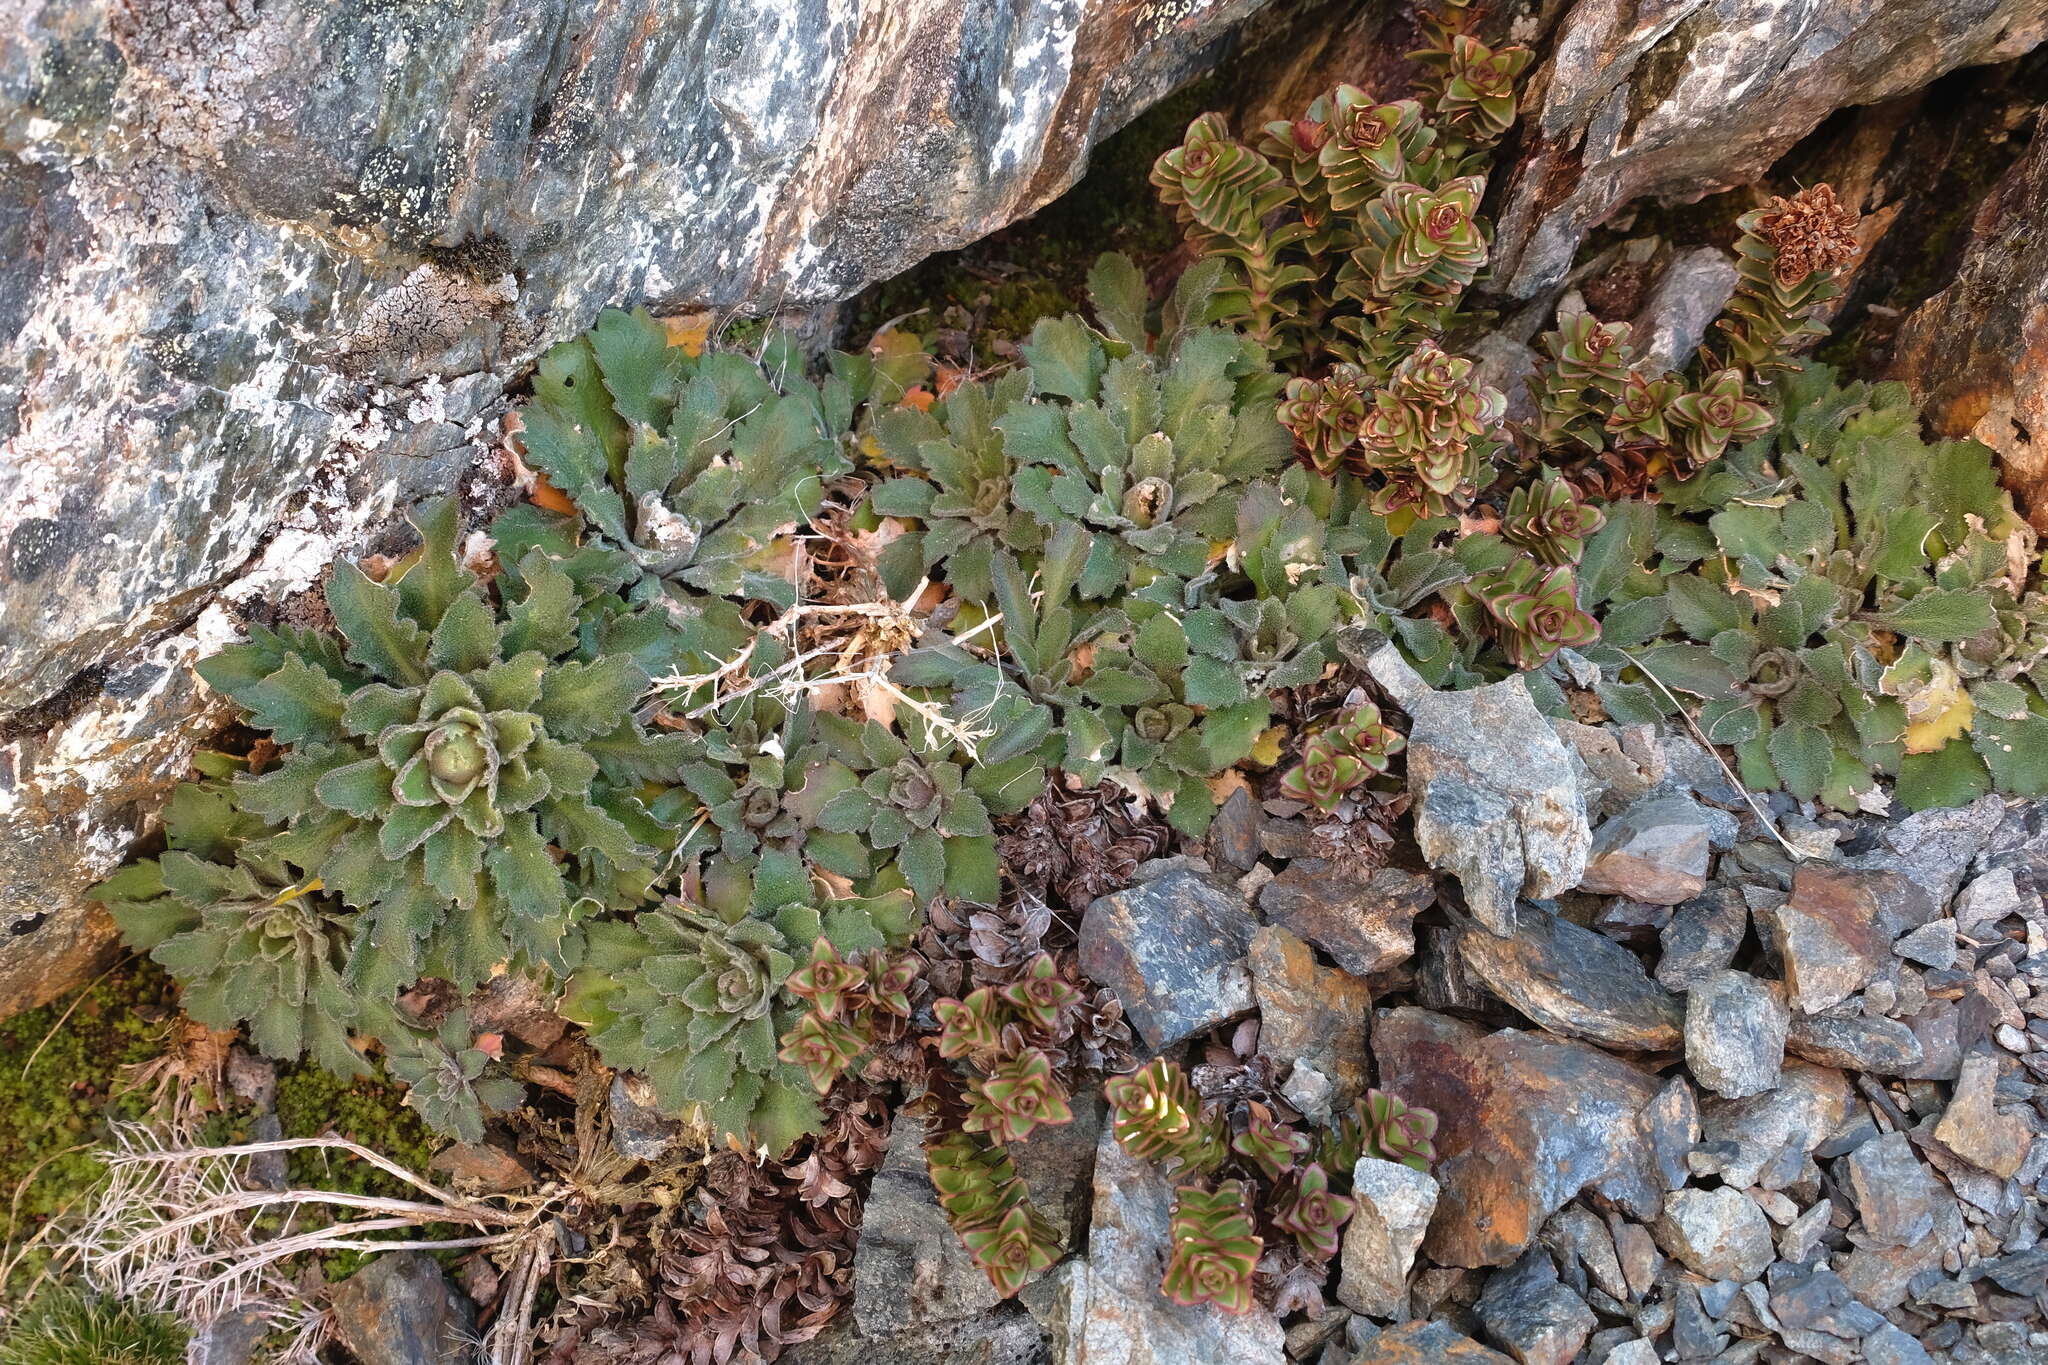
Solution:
(447, 1081)
(986, 1201)
(1379, 1125)
(1356, 746)
(1535, 612)
(1157, 1117)
(1214, 1248)
(1547, 519)
(1716, 415)
(463, 771)
(249, 940)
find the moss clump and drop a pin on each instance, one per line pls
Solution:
(67, 1326)
(314, 1103)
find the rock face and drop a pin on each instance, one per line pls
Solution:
(266, 268)
(1976, 354)
(1689, 97)
(1497, 796)
(1527, 1121)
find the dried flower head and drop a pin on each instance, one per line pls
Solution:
(1813, 230)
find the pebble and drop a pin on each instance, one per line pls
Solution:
(1735, 1030)
(1894, 1193)
(1394, 1204)
(1718, 1233)
(1532, 1316)
(1657, 851)
(1702, 937)
(1972, 1127)
(1933, 944)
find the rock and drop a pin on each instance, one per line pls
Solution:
(1986, 901)
(1974, 1130)
(1574, 982)
(1890, 1346)
(1971, 353)
(1365, 927)
(1234, 833)
(1172, 948)
(1702, 937)
(639, 1130)
(1656, 851)
(484, 1165)
(1814, 1299)
(1107, 1307)
(1682, 101)
(270, 267)
(1310, 1013)
(1502, 363)
(1827, 935)
(1773, 1133)
(1932, 945)
(1883, 1047)
(1735, 1033)
(400, 1310)
(1931, 849)
(1799, 1237)
(1672, 1121)
(1684, 302)
(1426, 1343)
(1718, 1233)
(1005, 1335)
(1526, 1121)
(1637, 1352)
(912, 1269)
(1531, 1316)
(1577, 1234)
(1394, 1204)
(1058, 1165)
(230, 1338)
(1893, 1191)
(1496, 795)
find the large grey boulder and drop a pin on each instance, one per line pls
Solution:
(265, 269)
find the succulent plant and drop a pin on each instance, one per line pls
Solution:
(1788, 259)
(696, 1000)
(247, 938)
(1429, 433)
(1157, 1118)
(1535, 612)
(1417, 238)
(444, 1075)
(1311, 1213)
(443, 752)
(1383, 1126)
(1016, 1097)
(1716, 415)
(986, 1201)
(690, 467)
(1478, 95)
(1269, 1145)
(1040, 996)
(1214, 1249)
(1357, 745)
(1548, 520)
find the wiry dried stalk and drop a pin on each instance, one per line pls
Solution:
(176, 1228)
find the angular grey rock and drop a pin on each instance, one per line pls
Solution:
(1658, 850)
(1310, 1015)
(1890, 1346)
(269, 268)
(1172, 948)
(1005, 1335)
(912, 1270)
(1531, 1316)
(1637, 1352)
(640, 1131)
(1798, 1238)
(1894, 1193)
(1933, 848)
(1496, 794)
(1574, 982)
(1773, 1133)
(1883, 1047)
(1526, 1122)
(1702, 937)
(1933, 944)
(1814, 1299)
(1578, 1234)
(1735, 1033)
(1987, 900)
(1976, 1131)
(1681, 305)
(400, 1310)
(1718, 1233)
(1107, 1307)
(1828, 935)
(1425, 1343)
(1365, 925)
(1234, 834)
(1682, 100)
(1394, 1204)
(1673, 1124)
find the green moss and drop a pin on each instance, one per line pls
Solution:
(67, 1326)
(60, 1086)
(312, 1103)
(1038, 267)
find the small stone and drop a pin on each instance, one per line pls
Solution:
(1309, 1091)
(912, 1270)
(1526, 1121)
(1977, 1132)
(1641, 1262)
(1172, 948)
(1418, 1343)
(1531, 1316)
(1655, 851)
(1636, 1352)
(1814, 1299)
(1827, 935)
(1735, 1033)
(1496, 794)
(1574, 982)
(1776, 1206)
(1797, 1242)
(2013, 1039)
(1673, 1121)
(1933, 944)
(1310, 1013)
(1931, 848)
(1894, 1193)
(1986, 902)
(1394, 1204)
(640, 1132)
(1365, 926)
(400, 1310)
(1890, 1346)
(1702, 937)
(483, 1165)
(1883, 1047)
(1718, 1233)
(1676, 312)
(1773, 1133)
(1234, 833)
